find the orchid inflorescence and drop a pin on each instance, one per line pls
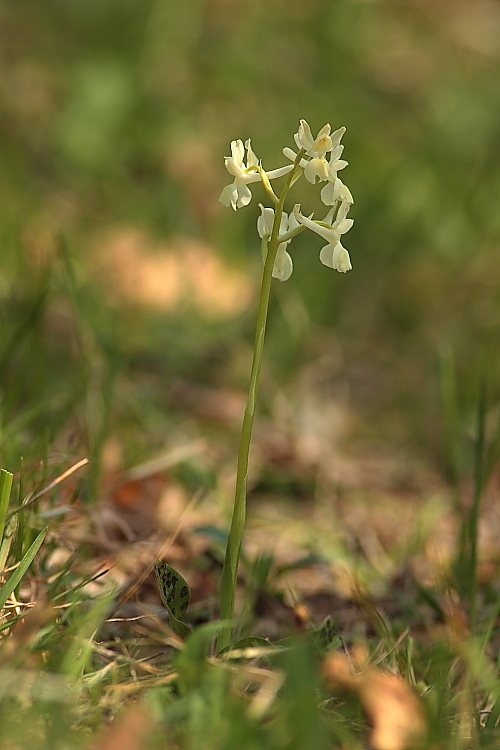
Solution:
(274, 222)
(277, 229)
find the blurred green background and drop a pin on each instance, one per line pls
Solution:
(115, 118)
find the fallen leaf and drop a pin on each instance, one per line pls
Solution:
(391, 706)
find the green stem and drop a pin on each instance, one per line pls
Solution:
(233, 549)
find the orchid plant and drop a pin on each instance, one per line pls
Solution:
(276, 230)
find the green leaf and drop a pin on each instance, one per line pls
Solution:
(175, 595)
(21, 569)
(192, 661)
(325, 637)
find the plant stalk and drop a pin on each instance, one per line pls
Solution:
(233, 548)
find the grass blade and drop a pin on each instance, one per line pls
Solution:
(21, 569)
(5, 489)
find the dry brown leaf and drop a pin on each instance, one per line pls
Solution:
(128, 732)
(392, 708)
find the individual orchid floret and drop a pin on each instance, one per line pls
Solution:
(283, 264)
(338, 258)
(317, 167)
(315, 147)
(336, 191)
(333, 255)
(238, 194)
(334, 166)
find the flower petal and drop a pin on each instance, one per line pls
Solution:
(336, 152)
(292, 221)
(280, 172)
(316, 168)
(336, 136)
(343, 226)
(229, 196)
(337, 191)
(326, 255)
(244, 195)
(328, 233)
(323, 142)
(237, 152)
(283, 264)
(232, 167)
(265, 221)
(340, 258)
(329, 217)
(343, 210)
(283, 223)
(303, 138)
(338, 164)
(345, 194)
(335, 257)
(251, 157)
(329, 194)
(290, 154)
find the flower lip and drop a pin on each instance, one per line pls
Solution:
(235, 195)
(335, 191)
(336, 257)
(283, 264)
(316, 168)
